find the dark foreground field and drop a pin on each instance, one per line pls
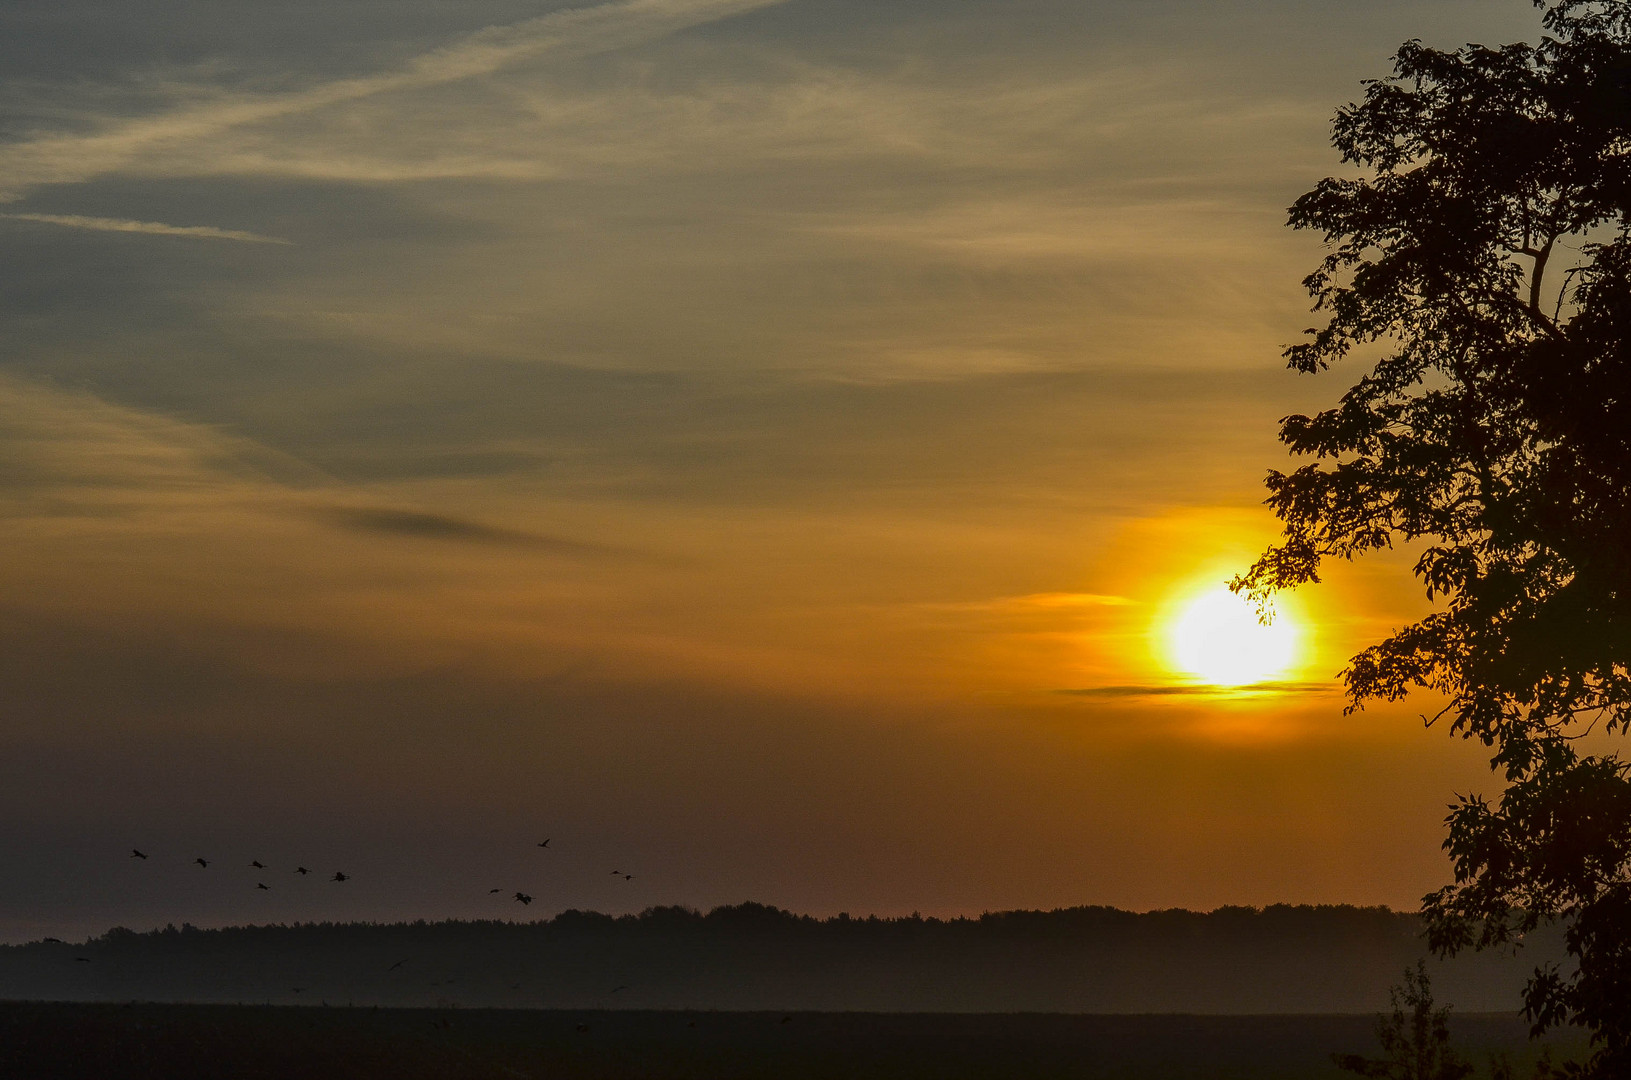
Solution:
(46, 1041)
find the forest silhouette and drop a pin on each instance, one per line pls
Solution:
(1235, 960)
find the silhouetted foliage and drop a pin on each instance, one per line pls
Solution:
(1415, 1038)
(1486, 254)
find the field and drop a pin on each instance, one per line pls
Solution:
(48, 1041)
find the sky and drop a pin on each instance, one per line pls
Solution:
(768, 447)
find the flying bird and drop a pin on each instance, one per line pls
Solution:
(628, 877)
(339, 875)
(545, 843)
(82, 959)
(398, 964)
(618, 989)
(617, 873)
(492, 891)
(205, 863)
(257, 864)
(135, 854)
(301, 870)
(263, 885)
(53, 940)
(523, 897)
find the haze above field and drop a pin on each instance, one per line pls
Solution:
(772, 448)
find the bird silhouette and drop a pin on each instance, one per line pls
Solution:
(257, 864)
(523, 897)
(492, 891)
(135, 854)
(53, 940)
(301, 870)
(618, 989)
(617, 873)
(263, 885)
(205, 863)
(297, 989)
(628, 877)
(82, 959)
(545, 843)
(398, 964)
(339, 875)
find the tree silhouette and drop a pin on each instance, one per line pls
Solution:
(1415, 1038)
(1485, 255)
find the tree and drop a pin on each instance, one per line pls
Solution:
(1415, 1038)
(1483, 258)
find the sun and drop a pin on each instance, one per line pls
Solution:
(1218, 638)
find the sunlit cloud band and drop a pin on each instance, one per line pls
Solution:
(153, 228)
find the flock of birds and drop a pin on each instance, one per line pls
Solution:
(340, 876)
(204, 864)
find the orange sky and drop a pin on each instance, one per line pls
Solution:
(766, 443)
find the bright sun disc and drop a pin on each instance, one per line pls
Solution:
(1219, 638)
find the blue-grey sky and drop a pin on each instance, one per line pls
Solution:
(765, 443)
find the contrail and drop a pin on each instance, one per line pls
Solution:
(61, 159)
(156, 228)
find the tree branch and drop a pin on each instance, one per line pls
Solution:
(1539, 274)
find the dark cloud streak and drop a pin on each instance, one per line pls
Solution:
(423, 525)
(1202, 690)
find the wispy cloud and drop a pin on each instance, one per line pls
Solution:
(55, 159)
(1032, 602)
(153, 228)
(423, 525)
(1204, 690)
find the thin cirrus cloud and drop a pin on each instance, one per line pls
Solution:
(423, 525)
(75, 158)
(151, 228)
(1202, 690)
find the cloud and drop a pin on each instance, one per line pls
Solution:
(1051, 601)
(68, 453)
(153, 228)
(75, 158)
(418, 524)
(1204, 690)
